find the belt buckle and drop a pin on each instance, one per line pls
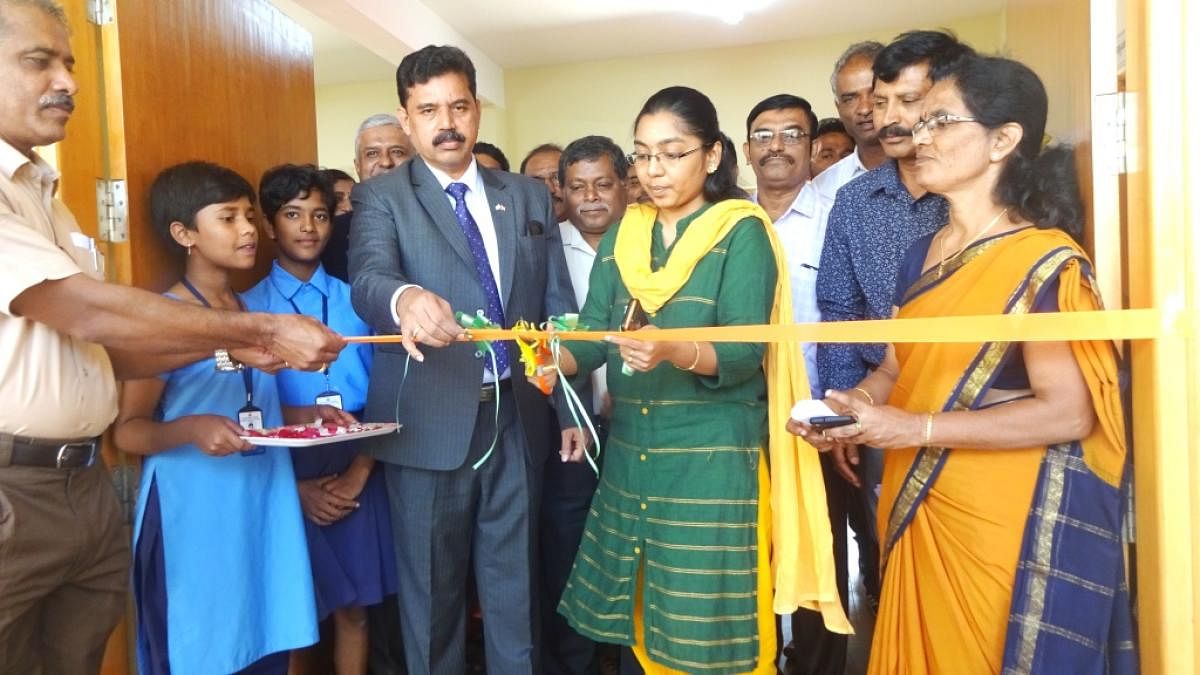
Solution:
(64, 454)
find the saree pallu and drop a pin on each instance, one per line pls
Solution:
(1003, 560)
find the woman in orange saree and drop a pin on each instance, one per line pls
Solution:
(1006, 464)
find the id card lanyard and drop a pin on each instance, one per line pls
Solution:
(250, 417)
(330, 396)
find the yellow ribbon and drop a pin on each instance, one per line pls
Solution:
(1125, 324)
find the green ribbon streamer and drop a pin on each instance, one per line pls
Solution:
(565, 324)
(484, 347)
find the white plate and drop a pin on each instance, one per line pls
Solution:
(384, 428)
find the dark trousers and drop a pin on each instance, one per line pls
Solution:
(816, 650)
(863, 519)
(446, 520)
(64, 568)
(386, 648)
(566, 498)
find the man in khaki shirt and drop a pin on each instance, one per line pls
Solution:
(65, 337)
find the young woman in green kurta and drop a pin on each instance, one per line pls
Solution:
(673, 533)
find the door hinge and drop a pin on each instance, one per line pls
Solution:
(101, 12)
(112, 208)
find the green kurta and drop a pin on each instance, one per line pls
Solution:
(679, 485)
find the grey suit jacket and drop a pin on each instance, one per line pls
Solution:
(404, 232)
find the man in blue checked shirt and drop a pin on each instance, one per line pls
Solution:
(874, 219)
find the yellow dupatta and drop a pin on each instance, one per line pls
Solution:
(802, 543)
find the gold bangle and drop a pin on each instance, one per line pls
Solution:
(864, 392)
(696, 361)
(928, 429)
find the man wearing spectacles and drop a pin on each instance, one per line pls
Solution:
(778, 149)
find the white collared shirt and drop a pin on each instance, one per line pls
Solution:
(580, 256)
(801, 232)
(832, 179)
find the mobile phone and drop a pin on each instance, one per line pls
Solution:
(635, 316)
(830, 421)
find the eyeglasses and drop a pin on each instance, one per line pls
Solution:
(791, 136)
(664, 158)
(933, 124)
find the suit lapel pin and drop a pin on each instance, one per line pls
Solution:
(500, 207)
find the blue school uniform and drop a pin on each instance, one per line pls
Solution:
(221, 573)
(353, 561)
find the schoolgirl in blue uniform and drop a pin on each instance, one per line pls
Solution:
(221, 575)
(342, 495)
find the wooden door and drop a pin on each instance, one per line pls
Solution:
(1163, 211)
(166, 81)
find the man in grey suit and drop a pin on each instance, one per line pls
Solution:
(437, 235)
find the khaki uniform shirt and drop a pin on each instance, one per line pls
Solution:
(52, 386)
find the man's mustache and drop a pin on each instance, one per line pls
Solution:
(775, 155)
(447, 136)
(894, 130)
(66, 101)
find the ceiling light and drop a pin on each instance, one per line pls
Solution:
(729, 11)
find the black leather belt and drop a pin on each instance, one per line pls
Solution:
(49, 454)
(487, 393)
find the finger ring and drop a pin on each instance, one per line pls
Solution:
(286, 364)
(324, 367)
(858, 426)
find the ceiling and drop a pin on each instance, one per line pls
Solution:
(337, 58)
(521, 33)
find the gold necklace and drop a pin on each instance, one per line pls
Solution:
(942, 258)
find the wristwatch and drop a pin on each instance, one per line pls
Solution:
(225, 362)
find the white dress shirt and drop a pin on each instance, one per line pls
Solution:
(801, 232)
(580, 256)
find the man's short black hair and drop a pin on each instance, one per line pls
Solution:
(830, 125)
(782, 102)
(483, 148)
(940, 49)
(180, 192)
(592, 148)
(281, 184)
(544, 147)
(429, 62)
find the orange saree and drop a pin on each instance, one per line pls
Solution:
(980, 574)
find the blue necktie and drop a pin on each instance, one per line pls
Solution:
(483, 269)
